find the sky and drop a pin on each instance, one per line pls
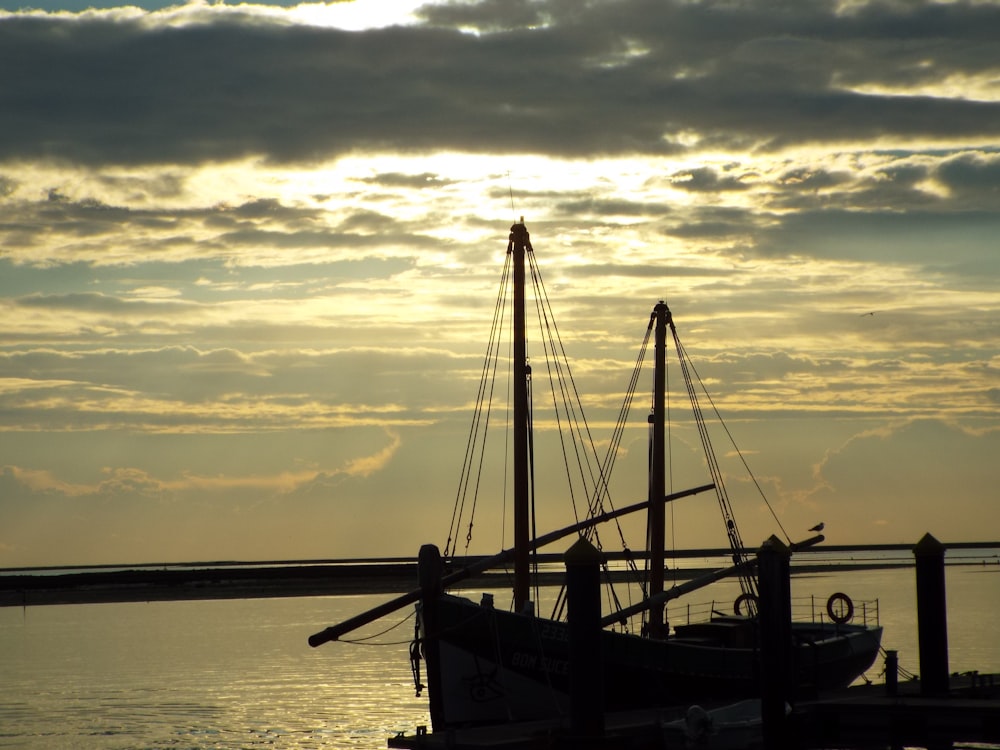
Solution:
(249, 255)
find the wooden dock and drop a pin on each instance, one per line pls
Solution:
(632, 730)
(867, 716)
(941, 711)
(858, 717)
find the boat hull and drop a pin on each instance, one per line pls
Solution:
(496, 666)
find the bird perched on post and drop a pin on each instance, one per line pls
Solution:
(818, 527)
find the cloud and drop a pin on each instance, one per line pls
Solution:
(135, 483)
(94, 302)
(181, 390)
(260, 231)
(919, 237)
(974, 176)
(899, 472)
(370, 464)
(424, 180)
(706, 179)
(249, 256)
(625, 77)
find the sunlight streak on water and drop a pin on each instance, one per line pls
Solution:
(220, 674)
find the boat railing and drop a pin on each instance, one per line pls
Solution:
(688, 613)
(836, 609)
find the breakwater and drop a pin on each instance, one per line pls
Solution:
(231, 580)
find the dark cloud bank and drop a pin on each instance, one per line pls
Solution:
(551, 77)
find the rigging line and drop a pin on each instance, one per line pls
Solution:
(747, 585)
(458, 510)
(612, 592)
(571, 406)
(543, 310)
(743, 460)
(703, 432)
(624, 412)
(608, 465)
(589, 458)
(361, 642)
(633, 381)
(600, 483)
(606, 469)
(551, 359)
(620, 429)
(507, 439)
(364, 641)
(531, 481)
(473, 439)
(474, 429)
(561, 364)
(495, 344)
(489, 411)
(670, 465)
(539, 311)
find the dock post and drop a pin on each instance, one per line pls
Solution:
(891, 673)
(429, 571)
(586, 665)
(932, 616)
(775, 624)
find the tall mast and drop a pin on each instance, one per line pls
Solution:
(519, 244)
(657, 472)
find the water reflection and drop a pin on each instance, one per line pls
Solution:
(222, 674)
(238, 673)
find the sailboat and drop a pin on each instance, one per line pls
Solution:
(490, 665)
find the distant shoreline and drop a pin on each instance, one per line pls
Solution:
(224, 580)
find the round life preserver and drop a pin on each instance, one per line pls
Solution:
(840, 608)
(748, 602)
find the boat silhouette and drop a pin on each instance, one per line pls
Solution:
(484, 664)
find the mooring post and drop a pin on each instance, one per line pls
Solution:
(775, 623)
(932, 616)
(586, 665)
(891, 673)
(429, 570)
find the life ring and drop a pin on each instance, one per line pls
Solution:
(750, 600)
(840, 608)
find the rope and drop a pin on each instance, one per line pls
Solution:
(747, 584)
(596, 505)
(480, 421)
(905, 673)
(365, 641)
(732, 441)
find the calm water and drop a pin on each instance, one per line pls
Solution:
(239, 674)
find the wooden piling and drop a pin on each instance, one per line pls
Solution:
(429, 570)
(775, 622)
(586, 665)
(891, 673)
(932, 616)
